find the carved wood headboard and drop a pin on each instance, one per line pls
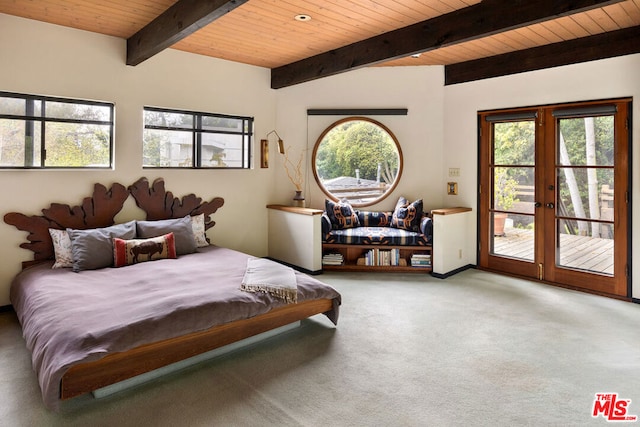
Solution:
(100, 210)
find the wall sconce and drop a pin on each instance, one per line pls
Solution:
(280, 142)
(264, 149)
(264, 153)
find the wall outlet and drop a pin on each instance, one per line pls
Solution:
(454, 171)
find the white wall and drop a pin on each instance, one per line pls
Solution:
(610, 78)
(45, 59)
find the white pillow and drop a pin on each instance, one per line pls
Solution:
(61, 248)
(197, 223)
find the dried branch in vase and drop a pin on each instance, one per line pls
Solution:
(294, 171)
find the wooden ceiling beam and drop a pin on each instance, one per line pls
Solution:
(179, 21)
(481, 20)
(591, 48)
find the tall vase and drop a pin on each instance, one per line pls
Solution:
(298, 199)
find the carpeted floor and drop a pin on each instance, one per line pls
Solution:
(409, 350)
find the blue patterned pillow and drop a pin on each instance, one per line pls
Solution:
(374, 219)
(407, 216)
(341, 215)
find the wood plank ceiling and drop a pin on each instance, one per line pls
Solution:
(264, 32)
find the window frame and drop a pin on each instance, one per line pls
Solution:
(392, 185)
(43, 120)
(196, 137)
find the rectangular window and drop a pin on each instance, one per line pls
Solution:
(187, 139)
(45, 132)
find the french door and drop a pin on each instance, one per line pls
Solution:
(554, 194)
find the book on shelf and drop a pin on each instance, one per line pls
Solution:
(332, 259)
(383, 257)
(421, 260)
(420, 264)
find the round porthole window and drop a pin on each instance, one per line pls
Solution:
(357, 159)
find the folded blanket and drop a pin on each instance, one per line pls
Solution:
(263, 275)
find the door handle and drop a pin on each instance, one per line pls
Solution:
(537, 204)
(550, 205)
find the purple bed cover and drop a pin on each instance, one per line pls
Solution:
(68, 317)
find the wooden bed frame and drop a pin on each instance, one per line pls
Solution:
(100, 211)
(87, 377)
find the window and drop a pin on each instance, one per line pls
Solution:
(357, 159)
(45, 132)
(186, 139)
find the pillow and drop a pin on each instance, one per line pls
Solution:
(180, 227)
(374, 218)
(197, 223)
(61, 248)
(341, 214)
(407, 216)
(128, 252)
(93, 249)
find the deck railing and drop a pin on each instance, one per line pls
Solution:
(525, 201)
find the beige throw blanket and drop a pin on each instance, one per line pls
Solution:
(263, 275)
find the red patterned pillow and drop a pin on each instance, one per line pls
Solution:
(127, 252)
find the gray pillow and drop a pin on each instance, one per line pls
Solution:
(181, 228)
(93, 248)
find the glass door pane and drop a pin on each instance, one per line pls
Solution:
(585, 197)
(513, 190)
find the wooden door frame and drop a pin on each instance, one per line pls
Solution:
(622, 199)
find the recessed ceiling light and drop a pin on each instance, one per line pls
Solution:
(302, 18)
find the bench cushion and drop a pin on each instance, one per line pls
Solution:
(376, 236)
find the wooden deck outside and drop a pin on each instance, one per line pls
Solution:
(579, 252)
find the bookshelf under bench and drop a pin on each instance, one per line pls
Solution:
(376, 258)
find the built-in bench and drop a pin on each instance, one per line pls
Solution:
(296, 238)
(371, 240)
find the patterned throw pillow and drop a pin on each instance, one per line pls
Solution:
(197, 223)
(407, 216)
(374, 218)
(128, 252)
(61, 248)
(341, 215)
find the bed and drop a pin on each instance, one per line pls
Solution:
(96, 327)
